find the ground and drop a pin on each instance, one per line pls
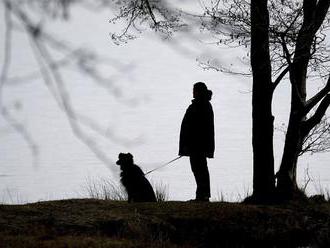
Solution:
(98, 223)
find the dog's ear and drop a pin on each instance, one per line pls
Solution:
(130, 157)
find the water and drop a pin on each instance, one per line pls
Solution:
(154, 79)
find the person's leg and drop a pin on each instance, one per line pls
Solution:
(201, 173)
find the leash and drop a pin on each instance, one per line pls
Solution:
(163, 165)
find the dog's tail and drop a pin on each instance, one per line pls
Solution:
(163, 165)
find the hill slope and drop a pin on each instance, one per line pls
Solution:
(98, 223)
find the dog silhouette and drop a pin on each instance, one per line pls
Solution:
(138, 187)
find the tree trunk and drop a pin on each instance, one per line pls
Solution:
(314, 14)
(286, 177)
(262, 92)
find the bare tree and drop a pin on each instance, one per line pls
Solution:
(296, 32)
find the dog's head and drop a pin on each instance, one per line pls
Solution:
(125, 159)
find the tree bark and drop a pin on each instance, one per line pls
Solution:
(262, 93)
(299, 127)
(286, 177)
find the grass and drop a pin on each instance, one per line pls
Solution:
(104, 223)
(107, 220)
(11, 197)
(322, 193)
(161, 191)
(106, 189)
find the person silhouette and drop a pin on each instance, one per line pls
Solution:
(197, 138)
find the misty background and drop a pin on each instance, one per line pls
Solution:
(135, 103)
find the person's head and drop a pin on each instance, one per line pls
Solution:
(200, 91)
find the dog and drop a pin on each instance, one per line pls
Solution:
(138, 188)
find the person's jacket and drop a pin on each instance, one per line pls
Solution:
(197, 130)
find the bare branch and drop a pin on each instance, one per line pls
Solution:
(210, 66)
(51, 73)
(141, 14)
(17, 126)
(314, 15)
(150, 11)
(280, 77)
(312, 102)
(321, 12)
(286, 52)
(50, 70)
(7, 48)
(318, 115)
(318, 139)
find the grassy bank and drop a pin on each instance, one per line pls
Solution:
(99, 223)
